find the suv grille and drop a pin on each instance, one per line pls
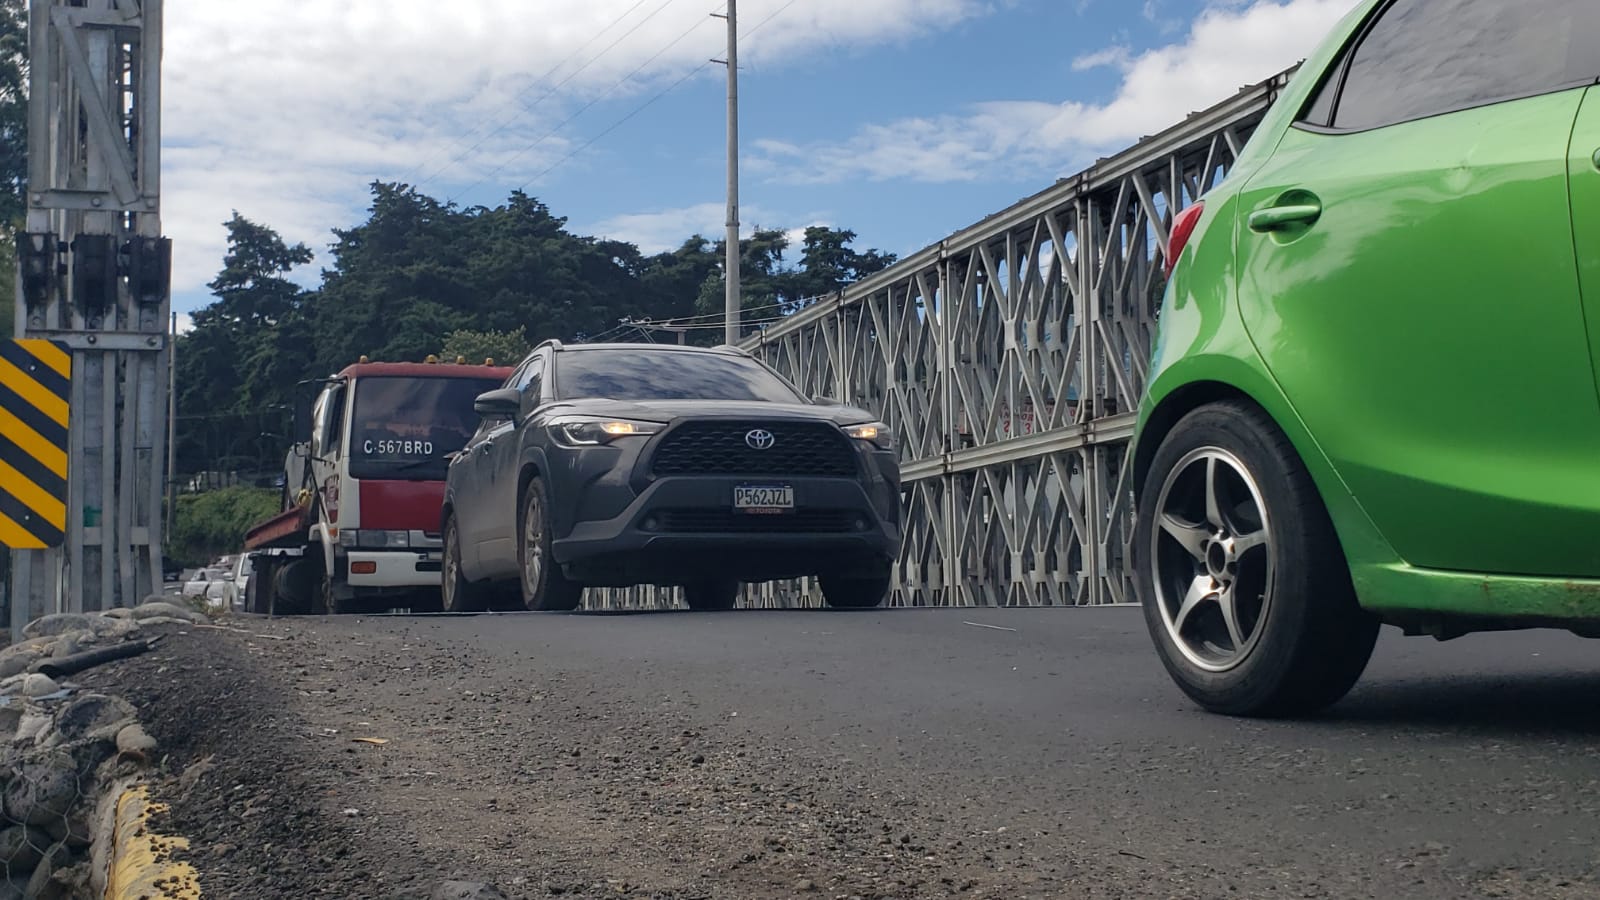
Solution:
(801, 521)
(719, 448)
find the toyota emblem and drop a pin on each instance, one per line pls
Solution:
(760, 439)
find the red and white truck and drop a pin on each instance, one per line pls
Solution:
(363, 486)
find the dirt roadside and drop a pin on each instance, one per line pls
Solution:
(540, 787)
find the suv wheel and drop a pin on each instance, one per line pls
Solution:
(544, 586)
(459, 594)
(1246, 591)
(855, 593)
(710, 596)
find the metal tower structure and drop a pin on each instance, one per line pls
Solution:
(94, 279)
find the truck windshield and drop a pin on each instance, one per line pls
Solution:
(402, 428)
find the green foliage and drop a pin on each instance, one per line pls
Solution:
(13, 147)
(213, 523)
(770, 288)
(422, 277)
(13, 110)
(505, 348)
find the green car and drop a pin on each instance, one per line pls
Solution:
(1373, 397)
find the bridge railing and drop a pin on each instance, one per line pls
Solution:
(1009, 359)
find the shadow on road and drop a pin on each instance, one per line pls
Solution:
(1520, 705)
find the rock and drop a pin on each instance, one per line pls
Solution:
(466, 890)
(134, 741)
(77, 830)
(166, 620)
(38, 685)
(160, 609)
(93, 716)
(43, 885)
(43, 789)
(805, 886)
(21, 848)
(110, 629)
(57, 624)
(66, 645)
(33, 725)
(10, 720)
(15, 659)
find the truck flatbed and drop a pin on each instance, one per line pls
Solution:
(286, 529)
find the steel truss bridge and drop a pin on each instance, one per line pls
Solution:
(1009, 359)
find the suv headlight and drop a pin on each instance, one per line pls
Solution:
(588, 431)
(875, 433)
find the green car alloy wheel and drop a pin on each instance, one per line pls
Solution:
(1374, 394)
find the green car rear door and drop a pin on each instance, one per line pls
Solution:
(1584, 171)
(1406, 269)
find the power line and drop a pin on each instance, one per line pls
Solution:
(641, 108)
(542, 78)
(585, 108)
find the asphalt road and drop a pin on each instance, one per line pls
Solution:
(1053, 759)
(1486, 746)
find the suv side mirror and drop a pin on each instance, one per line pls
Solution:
(824, 401)
(503, 403)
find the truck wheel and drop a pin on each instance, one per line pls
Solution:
(1246, 591)
(855, 593)
(544, 586)
(711, 596)
(459, 594)
(298, 587)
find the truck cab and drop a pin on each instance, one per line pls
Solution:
(363, 488)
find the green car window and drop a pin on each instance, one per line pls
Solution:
(1421, 58)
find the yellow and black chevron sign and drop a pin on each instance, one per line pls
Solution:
(35, 400)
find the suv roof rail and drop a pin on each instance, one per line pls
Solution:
(730, 348)
(552, 343)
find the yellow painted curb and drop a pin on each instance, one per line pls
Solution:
(142, 867)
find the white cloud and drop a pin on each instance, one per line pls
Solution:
(1229, 46)
(287, 110)
(658, 231)
(1117, 56)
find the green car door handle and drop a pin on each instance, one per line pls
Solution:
(1277, 218)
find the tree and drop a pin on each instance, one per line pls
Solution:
(252, 287)
(505, 348)
(238, 370)
(13, 147)
(213, 523)
(828, 263)
(13, 110)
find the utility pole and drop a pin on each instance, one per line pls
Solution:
(94, 279)
(731, 329)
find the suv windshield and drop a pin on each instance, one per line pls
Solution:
(645, 374)
(403, 427)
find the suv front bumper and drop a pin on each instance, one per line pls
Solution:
(682, 528)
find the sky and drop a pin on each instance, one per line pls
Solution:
(900, 120)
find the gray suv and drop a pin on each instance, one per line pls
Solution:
(611, 465)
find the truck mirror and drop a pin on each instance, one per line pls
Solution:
(302, 420)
